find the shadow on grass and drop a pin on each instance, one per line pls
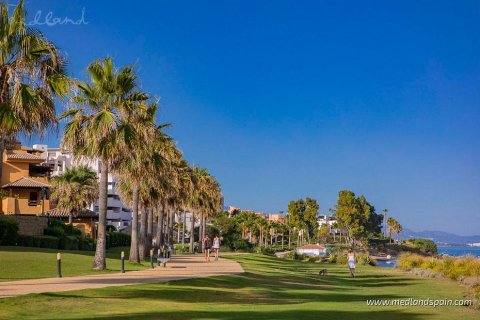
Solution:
(271, 314)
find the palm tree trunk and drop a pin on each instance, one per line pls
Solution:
(179, 216)
(99, 262)
(183, 226)
(200, 232)
(143, 235)
(289, 239)
(165, 227)
(134, 254)
(159, 237)
(149, 229)
(170, 227)
(192, 233)
(70, 218)
(204, 229)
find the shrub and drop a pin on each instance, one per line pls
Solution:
(424, 245)
(117, 239)
(182, 248)
(450, 267)
(365, 259)
(85, 243)
(237, 243)
(8, 231)
(39, 241)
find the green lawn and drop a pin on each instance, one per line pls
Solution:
(17, 263)
(270, 289)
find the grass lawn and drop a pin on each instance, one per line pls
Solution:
(270, 289)
(17, 263)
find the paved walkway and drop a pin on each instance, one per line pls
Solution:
(180, 267)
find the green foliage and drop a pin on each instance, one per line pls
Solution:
(8, 231)
(450, 267)
(50, 242)
(182, 248)
(424, 245)
(303, 215)
(117, 239)
(357, 216)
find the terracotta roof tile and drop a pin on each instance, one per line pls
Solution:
(25, 182)
(63, 213)
(23, 156)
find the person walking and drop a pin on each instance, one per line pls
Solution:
(351, 262)
(216, 246)
(206, 245)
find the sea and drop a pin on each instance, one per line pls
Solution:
(454, 251)
(457, 251)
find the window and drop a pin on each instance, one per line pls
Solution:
(33, 198)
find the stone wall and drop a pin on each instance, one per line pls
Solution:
(28, 225)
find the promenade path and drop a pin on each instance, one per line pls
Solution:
(180, 267)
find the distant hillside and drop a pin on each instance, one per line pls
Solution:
(439, 236)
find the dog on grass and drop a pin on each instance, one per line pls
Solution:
(323, 272)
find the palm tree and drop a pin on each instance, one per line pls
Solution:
(139, 160)
(32, 74)
(393, 227)
(334, 229)
(99, 128)
(75, 189)
(385, 211)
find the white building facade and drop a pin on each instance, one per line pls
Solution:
(119, 215)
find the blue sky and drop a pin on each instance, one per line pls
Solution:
(288, 99)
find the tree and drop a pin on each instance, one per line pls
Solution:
(393, 227)
(75, 189)
(334, 230)
(385, 212)
(323, 233)
(32, 75)
(373, 221)
(98, 128)
(310, 216)
(137, 163)
(349, 215)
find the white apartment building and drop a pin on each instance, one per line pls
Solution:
(118, 214)
(324, 219)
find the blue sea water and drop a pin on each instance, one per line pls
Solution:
(460, 251)
(451, 251)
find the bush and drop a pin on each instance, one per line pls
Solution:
(365, 259)
(237, 243)
(8, 231)
(85, 243)
(450, 267)
(59, 229)
(49, 242)
(117, 239)
(182, 248)
(424, 245)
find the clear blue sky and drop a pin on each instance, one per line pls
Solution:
(288, 99)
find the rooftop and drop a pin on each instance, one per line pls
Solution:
(25, 182)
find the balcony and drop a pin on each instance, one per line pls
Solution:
(13, 205)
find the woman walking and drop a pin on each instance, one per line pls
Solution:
(351, 262)
(216, 246)
(206, 245)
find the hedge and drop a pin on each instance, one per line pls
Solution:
(8, 231)
(39, 241)
(117, 239)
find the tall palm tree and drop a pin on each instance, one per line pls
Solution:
(32, 74)
(99, 127)
(139, 165)
(385, 211)
(75, 189)
(393, 227)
